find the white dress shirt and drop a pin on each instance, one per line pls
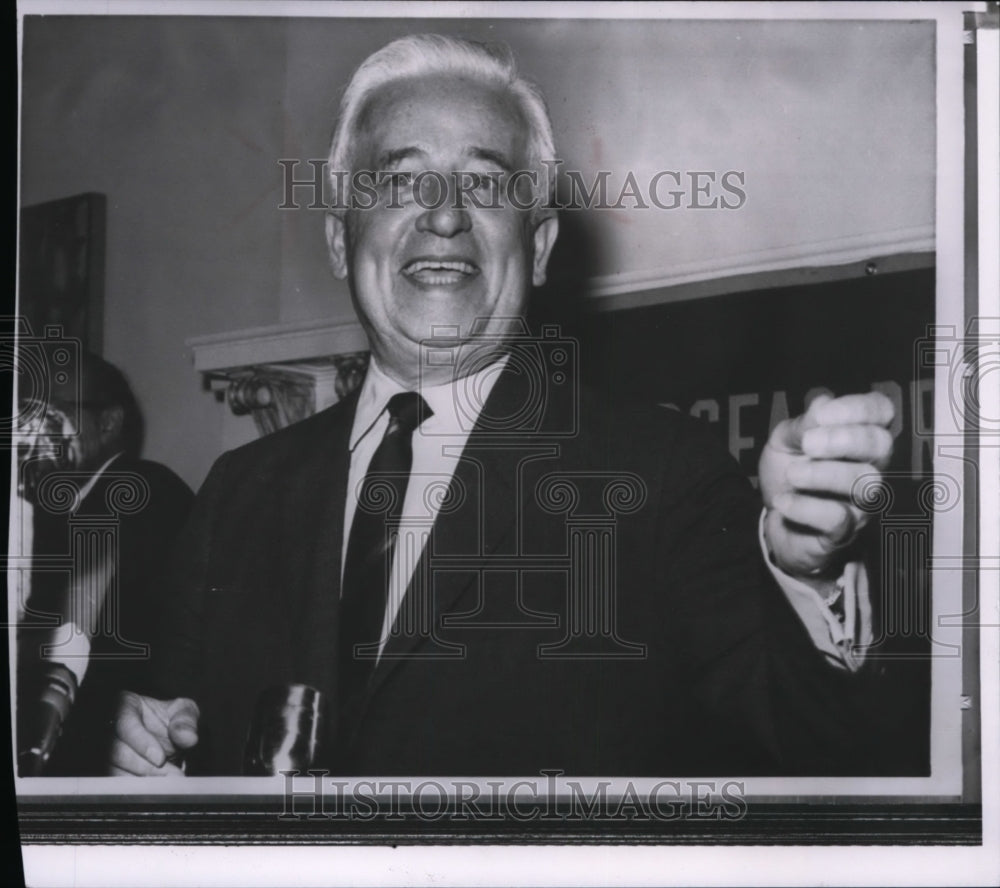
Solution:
(70, 643)
(437, 446)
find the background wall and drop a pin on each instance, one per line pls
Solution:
(181, 122)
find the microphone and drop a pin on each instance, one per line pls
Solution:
(285, 730)
(52, 674)
(42, 718)
(47, 688)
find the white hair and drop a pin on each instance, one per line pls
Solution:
(420, 55)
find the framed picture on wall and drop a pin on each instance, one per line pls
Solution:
(61, 270)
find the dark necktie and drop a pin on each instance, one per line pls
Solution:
(371, 545)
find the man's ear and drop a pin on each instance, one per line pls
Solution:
(110, 424)
(336, 240)
(546, 233)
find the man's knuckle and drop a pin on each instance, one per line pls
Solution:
(844, 526)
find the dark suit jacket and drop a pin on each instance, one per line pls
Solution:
(687, 661)
(140, 505)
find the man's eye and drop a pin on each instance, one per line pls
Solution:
(395, 183)
(483, 189)
(488, 183)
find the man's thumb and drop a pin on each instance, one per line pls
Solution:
(788, 434)
(183, 727)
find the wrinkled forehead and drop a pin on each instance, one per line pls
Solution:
(460, 114)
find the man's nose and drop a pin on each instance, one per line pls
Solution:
(445, 221)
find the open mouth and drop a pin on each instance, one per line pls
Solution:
(440, 272)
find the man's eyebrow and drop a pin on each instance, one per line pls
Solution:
(491, 156)
(391, 158)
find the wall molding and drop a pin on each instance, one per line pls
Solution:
(826, 260)
(765, 280)
(278, 343)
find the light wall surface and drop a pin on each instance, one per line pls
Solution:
(181, 123)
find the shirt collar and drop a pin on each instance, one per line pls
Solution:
(456, 405)
(92, 480)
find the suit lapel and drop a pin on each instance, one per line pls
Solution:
(313, 514)
(483, 525)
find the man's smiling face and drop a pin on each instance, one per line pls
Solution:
(413, 267)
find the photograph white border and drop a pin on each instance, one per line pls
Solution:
(948, 538)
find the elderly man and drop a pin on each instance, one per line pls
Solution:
(110, 517)
(480, 576)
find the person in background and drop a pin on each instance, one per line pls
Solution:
(102, 522)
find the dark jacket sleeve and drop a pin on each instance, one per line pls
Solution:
(177, 664)
(776, 704)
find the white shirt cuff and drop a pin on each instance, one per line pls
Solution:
(71, 648)
(842, 641)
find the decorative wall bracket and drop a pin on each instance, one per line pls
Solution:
(277, 395)
(281, 375)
